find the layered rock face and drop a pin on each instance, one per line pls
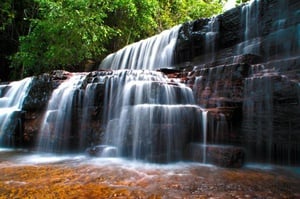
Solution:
(244, 66)
(268, 28)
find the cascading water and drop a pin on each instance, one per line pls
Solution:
(11, 101)
(258, 118)
(148, 118)
(152, 53)
(211, 38)
(277, 45)
(60, 122)
(268, 128)
(204, 120)
(251, 43)
(145, 116)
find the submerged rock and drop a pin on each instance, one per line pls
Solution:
(102, 151)
(220, 155)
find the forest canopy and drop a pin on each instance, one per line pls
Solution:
(63, 34)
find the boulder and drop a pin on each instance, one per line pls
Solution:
(220, 155)
(39, 93)
(102, 151)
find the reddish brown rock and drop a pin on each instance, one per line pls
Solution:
(220, 155)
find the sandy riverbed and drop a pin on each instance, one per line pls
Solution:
(27, 175)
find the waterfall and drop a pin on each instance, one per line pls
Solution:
(11, 101)
(152, 53)
(204, 126)
(146, 117)
(60, 120)
(277, 43)
(259, 115)
(211, 38)
(249, 18)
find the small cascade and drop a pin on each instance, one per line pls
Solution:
(115, 85)
(216, 87)
(204, 125)
(11, 101)
(258, 118)
(93, 95)
(147, 117)
(211, 39)
(276, 45)
(269, 128)
(61, 122)
(249, 18)
(152, 53)
(212, 90)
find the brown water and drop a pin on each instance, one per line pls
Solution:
(26, 175)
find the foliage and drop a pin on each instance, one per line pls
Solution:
(7, 14)
(238, 2)
(172, 12)
(133, 19)
(14, 22)
(68, 32)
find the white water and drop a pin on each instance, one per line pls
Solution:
(11, 103)
(15, 94)
(150, 54)
(249, 22)
(211, 38)
(148, 118)
(115, 85)
(57, 125)
(145, 116)
(204, 126)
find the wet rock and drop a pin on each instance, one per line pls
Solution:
(60, 75)
(32, 124)
(220, 86)
(102, 151)
(271, 109)
(247, 58)
(39, 93)
(263, 34)
(3, 89)
(220, 155)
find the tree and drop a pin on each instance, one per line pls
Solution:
(133, 19)
(65, 33)
(14, 15)
(173, 12)
(238, 2)
(68, 32)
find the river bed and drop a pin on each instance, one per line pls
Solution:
(31, 175)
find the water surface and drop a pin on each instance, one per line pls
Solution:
(25, 174)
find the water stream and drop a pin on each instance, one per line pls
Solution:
(152, 53)
(149, 117)
(204, 121)
(11, 102)
(59, 123)
(251, 40)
